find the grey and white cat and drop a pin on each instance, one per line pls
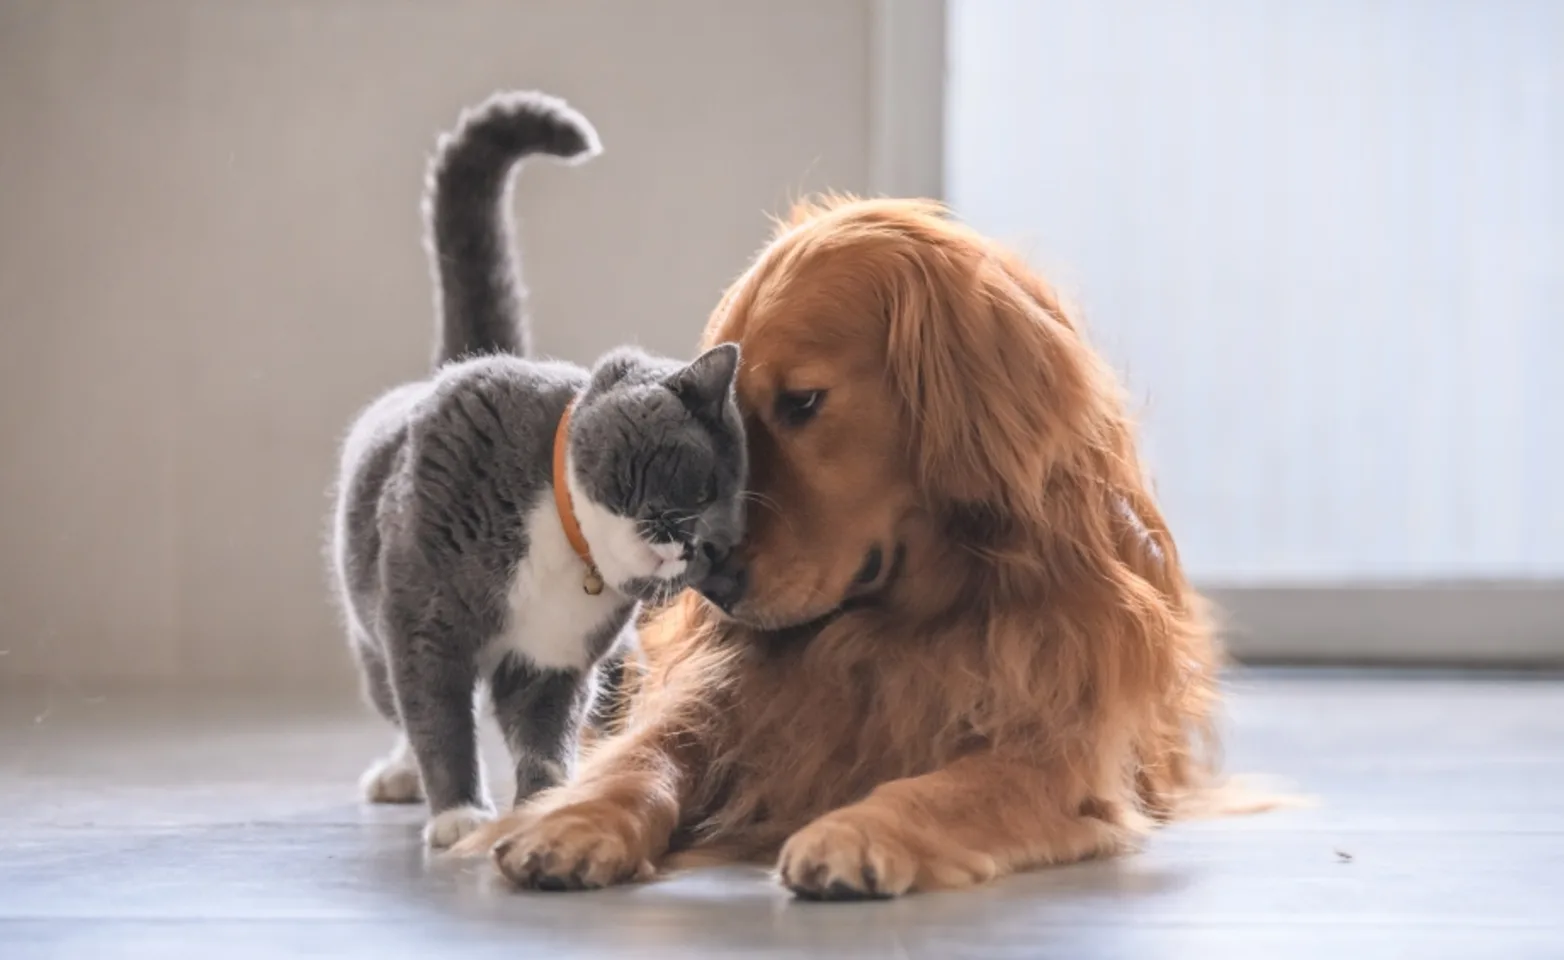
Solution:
(452, 558)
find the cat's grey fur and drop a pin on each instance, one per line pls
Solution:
(450, 558)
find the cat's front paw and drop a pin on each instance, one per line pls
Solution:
(448, 826)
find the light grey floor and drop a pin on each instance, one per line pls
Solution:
(135, 827)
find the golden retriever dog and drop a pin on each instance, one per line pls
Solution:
(956, 642)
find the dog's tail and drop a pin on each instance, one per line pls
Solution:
(469, 233)
(1240, 796)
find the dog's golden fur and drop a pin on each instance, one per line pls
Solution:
(1030, 682)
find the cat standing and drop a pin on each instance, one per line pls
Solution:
(497, 523)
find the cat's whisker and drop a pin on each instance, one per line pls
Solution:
(752, 496)
(767, 502)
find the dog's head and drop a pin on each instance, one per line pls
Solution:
(903, 381)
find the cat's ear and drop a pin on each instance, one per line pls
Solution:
(616, 365)
(705, 383)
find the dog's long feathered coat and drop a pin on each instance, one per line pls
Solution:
(1027, 678)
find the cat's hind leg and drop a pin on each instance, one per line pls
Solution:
(394, 777)
(541, 713)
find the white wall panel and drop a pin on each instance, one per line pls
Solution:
(1325, 243)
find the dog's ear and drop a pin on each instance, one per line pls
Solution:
(717, 321)
(995, 380)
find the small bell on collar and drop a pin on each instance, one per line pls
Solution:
(592, 583)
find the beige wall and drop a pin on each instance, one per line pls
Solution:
(209, 258)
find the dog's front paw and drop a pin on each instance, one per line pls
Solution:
(581, 847)
(448, 826)
(852, 855)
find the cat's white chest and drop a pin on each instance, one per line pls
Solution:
(551, 615)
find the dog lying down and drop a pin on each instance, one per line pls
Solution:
(956, 640)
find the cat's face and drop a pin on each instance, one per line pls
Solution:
(658, 468)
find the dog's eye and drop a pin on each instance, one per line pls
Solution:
(797, 407)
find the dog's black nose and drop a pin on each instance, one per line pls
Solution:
(725, 578)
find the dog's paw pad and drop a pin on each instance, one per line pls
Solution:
(839, 858)
(570, 852)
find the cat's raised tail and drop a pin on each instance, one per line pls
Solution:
(469, 234)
